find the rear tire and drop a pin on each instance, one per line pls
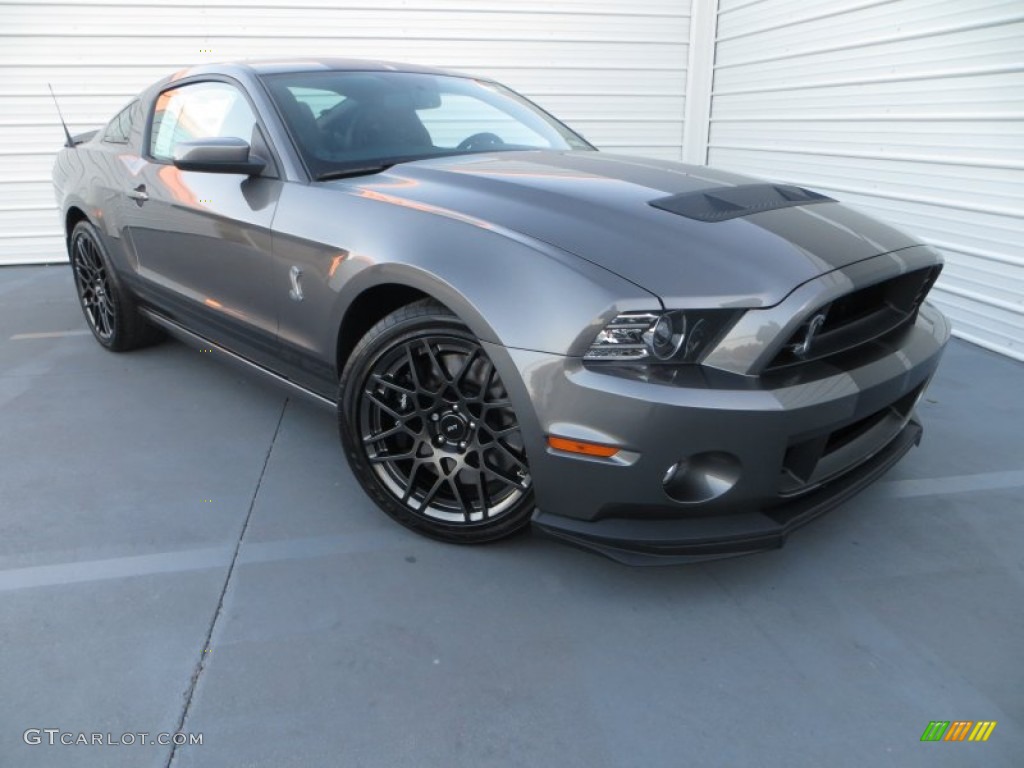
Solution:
(110, 311)
(429, 430)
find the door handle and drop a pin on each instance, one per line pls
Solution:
(139, 194)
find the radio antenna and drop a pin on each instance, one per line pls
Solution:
(71, 142)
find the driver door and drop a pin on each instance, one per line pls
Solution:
(203, 239)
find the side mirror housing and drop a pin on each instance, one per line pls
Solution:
(217, 155)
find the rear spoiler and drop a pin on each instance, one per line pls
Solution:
(81, 138)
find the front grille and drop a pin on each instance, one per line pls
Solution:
(857, 318)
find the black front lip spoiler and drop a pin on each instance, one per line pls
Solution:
(687, 540)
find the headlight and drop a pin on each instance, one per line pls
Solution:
(677, 336)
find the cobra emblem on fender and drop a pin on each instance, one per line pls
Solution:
(295, 275)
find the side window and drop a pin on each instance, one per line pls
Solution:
(199, 111)
(460, 116)
(119, 129)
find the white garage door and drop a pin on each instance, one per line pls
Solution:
(911, 110)
(615, 71)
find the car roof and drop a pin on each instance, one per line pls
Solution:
(309, 64)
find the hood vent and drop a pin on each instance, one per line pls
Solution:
(724, 203)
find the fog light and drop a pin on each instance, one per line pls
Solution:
(701, 477)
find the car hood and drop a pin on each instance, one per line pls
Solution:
(597, 206)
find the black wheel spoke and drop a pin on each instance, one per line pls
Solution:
(499, 432)
(429, 497)
(437, 365)
(484, 383)
(457, 492)
(382, 457)
(384, 406)
(411, 481)
(481, 492)
(501, 476)
(464, 368)
(509, 453)
(414, 372)
(378, 379)
(499, 404)
(82, 271)
(83, 255)
(398, 429)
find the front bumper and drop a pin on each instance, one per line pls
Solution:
(795, 445)
(667, 542)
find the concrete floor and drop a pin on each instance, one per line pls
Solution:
(182, 547)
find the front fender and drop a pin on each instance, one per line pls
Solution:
(509, 289)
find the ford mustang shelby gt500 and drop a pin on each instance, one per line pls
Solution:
(654, 360)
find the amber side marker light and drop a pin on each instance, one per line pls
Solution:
(578, 446)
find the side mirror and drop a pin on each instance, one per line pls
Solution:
(217, 155)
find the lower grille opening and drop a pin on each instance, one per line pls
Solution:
(846, 435)
(804, 462)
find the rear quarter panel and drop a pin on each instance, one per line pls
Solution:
(92, 178)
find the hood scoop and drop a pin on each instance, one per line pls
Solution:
(724, 203)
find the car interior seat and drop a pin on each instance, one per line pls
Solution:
(393, 127)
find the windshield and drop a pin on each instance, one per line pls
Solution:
(369, 120)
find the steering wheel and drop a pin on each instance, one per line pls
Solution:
(481, 141)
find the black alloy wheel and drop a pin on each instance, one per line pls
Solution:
(430, 431)
(93, 286)
(110, 311)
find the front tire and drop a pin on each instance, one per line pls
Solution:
(109, 310)
(429, 430)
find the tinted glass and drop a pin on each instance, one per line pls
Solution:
(119, 129)
(352, 119)
(199, 111)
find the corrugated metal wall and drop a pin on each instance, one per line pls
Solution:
(615, 71)
(912, 110)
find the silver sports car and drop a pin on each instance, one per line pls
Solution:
(657, 361)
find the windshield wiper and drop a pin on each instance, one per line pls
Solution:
(362, 170)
